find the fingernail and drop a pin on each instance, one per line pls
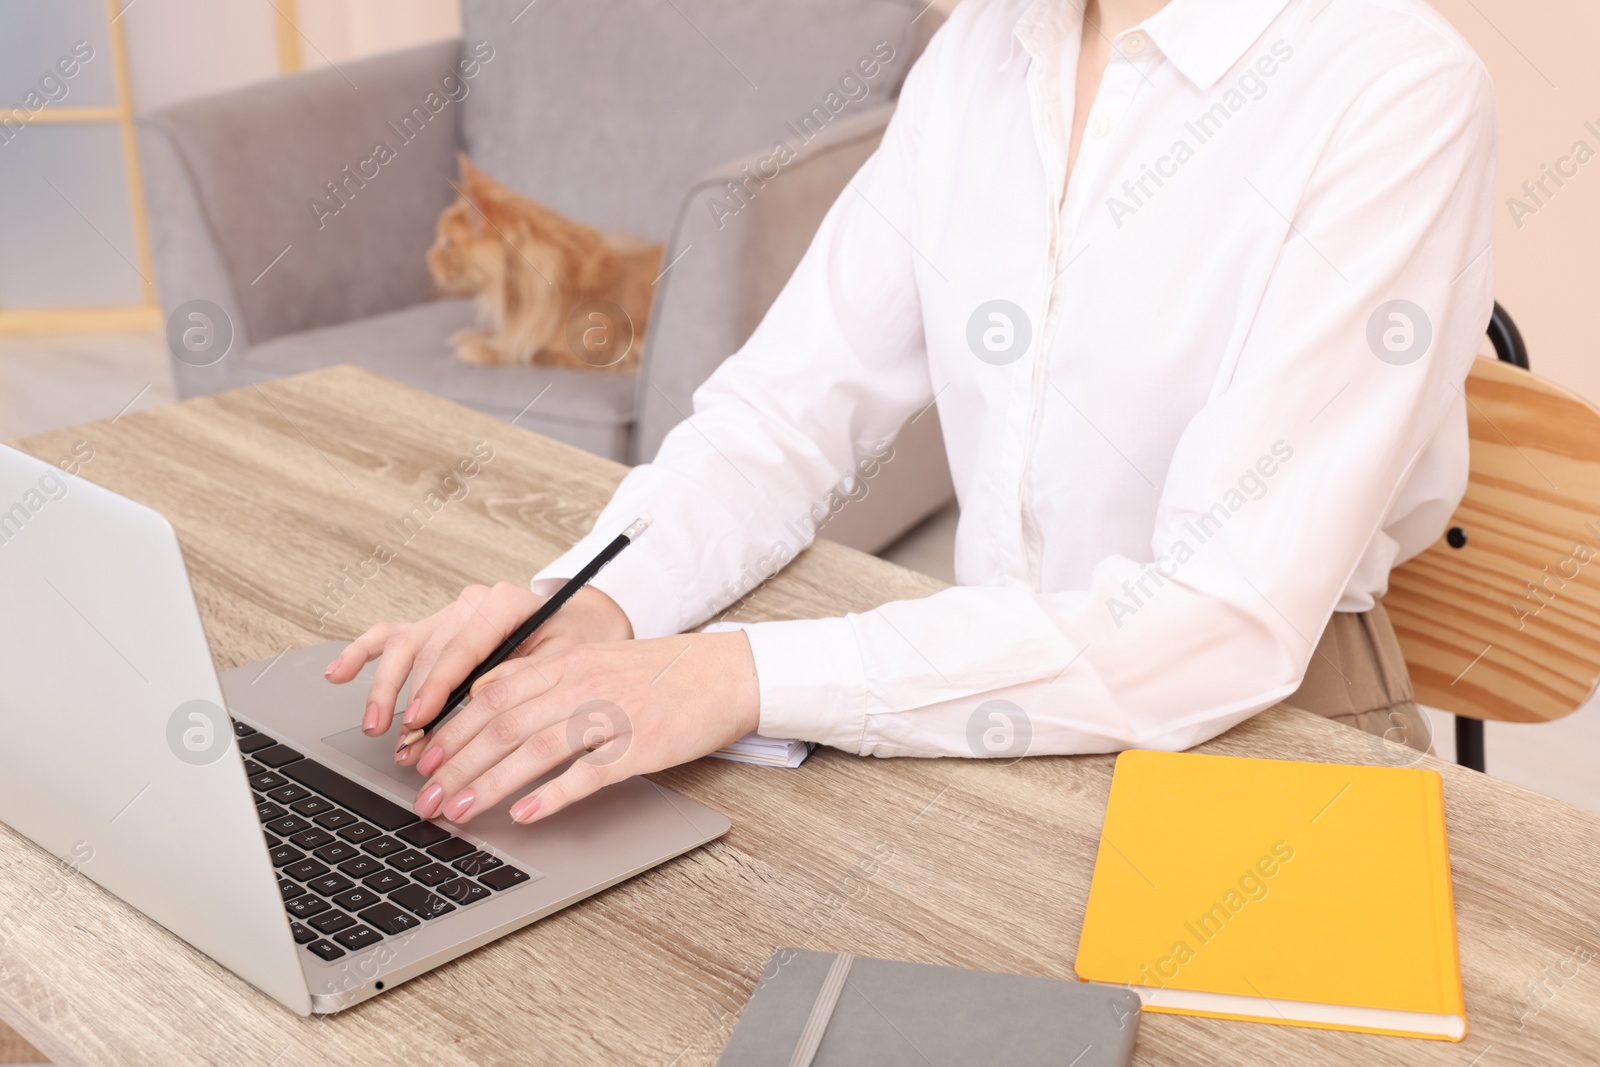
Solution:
(411, 712)
(369, 721)
(427, 804)
(329, 670)
(526, 808)
(430, 762)
(404, 747)
(458, 805)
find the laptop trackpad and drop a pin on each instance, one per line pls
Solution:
(378, 754)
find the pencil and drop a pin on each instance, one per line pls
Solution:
(584, 576)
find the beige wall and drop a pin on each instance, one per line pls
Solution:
(179, 49)
(349, 29)
(1541, 56)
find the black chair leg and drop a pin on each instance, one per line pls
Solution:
(1469, 742)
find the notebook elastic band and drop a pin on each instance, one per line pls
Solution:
(822, 1011)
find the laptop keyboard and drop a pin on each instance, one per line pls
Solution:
(353, 867)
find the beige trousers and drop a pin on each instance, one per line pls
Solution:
(1358, 677)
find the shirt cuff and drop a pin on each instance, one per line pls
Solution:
(812, 684)
(638, 580)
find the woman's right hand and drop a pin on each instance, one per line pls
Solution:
(438, 652)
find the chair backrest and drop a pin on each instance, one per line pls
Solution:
(1501, 618)
(609, 111)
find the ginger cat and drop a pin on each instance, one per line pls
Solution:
(549, 290)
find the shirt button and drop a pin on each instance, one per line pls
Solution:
(1133, 43)
(1099, 126)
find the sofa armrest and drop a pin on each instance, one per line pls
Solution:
(728, 263)
(304, 201)
(188, 263)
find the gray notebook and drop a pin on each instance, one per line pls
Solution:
(821, 1009)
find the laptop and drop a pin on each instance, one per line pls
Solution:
(247, 813)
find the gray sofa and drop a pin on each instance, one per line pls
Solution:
(276, 203)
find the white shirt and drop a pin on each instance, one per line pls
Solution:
(1195, 456)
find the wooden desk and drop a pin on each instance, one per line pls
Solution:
(272, 489)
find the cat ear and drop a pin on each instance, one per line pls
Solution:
(496, 212)
(474, 185)
(497, 203)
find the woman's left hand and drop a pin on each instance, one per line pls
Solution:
(627, 708)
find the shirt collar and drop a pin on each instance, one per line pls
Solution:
(1044, 26)
(1202, 38)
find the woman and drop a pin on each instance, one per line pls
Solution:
(1194, 285)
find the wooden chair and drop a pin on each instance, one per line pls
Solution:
(1501, 618)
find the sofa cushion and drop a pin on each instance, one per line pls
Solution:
(589, 409)
(609, 111)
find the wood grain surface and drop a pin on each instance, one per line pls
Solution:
(15, 1050)
(975, 863)
(1507, 626)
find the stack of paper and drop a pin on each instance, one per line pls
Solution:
(767, 751)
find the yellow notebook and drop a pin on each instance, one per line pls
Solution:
(1308, 894)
